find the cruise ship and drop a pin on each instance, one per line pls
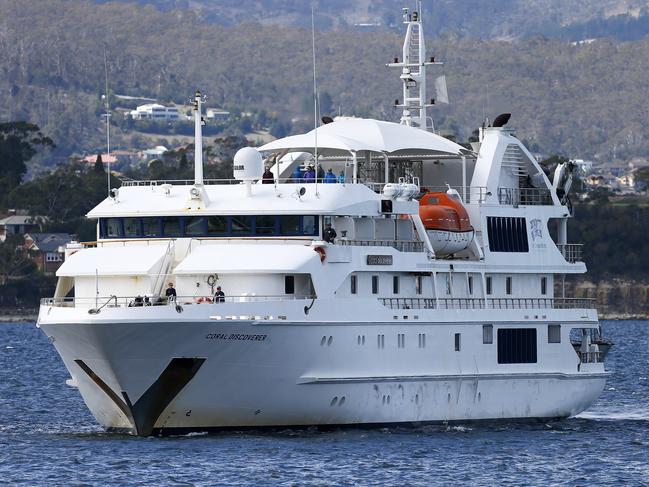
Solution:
(415, 281)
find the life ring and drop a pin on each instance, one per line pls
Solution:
(322, 252)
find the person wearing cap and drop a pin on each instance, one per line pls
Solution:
(219, 295)
(170, 293)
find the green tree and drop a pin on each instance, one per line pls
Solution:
(13, 263)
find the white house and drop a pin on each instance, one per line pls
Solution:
(217, 114)
(155, 111)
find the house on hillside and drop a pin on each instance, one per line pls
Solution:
(156, 112)
(46, 250)
(19, 223)
(217, 114)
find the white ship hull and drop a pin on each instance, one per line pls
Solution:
(260, 374)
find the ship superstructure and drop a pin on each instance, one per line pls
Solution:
(438, 300)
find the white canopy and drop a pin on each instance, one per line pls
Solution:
(360, 134)
(132, 260)
(246, 258)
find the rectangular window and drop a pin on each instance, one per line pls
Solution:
(171, 226)
(352, 281)
(508, 285)
(489, 288)
(289, 284)
(419, 287)
(487, 334)
(449, 285)
(217, 225)
(517, 346)
(507, 234)
(309, 226)
(131, 227)
(470, 284)
(265, 225)
(241, 225)
(151, 227)
(458, 337)
(395, 284)
(554, 333)
(289, 225)
(375, 284)
(113, 227)
(194, 226)
(544, 285)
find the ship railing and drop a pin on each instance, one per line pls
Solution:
(152, 300)
(469, 194)
(400, 245)
(571, 252)
(489, 303)
(593, 357)
(524, 196)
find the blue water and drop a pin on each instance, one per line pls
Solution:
(47, 437)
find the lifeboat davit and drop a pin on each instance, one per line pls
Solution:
(446, 221)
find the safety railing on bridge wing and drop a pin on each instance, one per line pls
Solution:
(400, 245)
(489, 303)
(571, 252)
(524, 196)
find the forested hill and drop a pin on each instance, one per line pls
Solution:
(583, 100)
(484, 19)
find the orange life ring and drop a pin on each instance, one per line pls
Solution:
(322, 252)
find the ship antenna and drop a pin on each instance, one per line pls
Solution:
(107, 115)
(198, 140)
(315, 100)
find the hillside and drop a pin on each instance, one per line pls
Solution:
(565, 19)
(585, 100)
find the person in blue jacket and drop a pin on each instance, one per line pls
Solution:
(341, 177)
(309, 175)
(297, 174)
(330, 177)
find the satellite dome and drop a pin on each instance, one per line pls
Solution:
(248, 165)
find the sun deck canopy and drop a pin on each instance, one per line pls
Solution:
(113, 260)
(360, 134)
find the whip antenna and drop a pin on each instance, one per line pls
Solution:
(315, 100)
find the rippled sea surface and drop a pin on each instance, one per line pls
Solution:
(47, 437)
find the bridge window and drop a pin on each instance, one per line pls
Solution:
(194, 226)
(151, 227)
(517, 346)
(241, 225)
(113, 227)
(171, 226)
(131, 227)
(289, 225)
(217, 225)
(309, 226)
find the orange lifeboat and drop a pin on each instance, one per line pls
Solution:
(446, 221)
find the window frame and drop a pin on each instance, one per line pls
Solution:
(375, 284)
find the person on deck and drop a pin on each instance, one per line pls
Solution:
(341, 177)
(219, 295)
(267, 177)
(170, 293)
(309, 175)
(329, 234)
(330, 177)
(321, 174)
(297, 174)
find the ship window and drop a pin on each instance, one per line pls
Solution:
(309, 225)
(113, 228)
(217, 225)
(517, 346)
(194, 226)
(487, 334)
(470, 284)
(131, 227)
(170, 226)
(289, 225)
(554, 333)
(395, 284)
(419, 288)
(353, 284)
(508, 285)
(151, 227)
(489, 288)
(449, 286)
(458, 338)
(375, 284)
(241, 225)
(507, 234)
(544, 285)
(289, 284)
(265, 225)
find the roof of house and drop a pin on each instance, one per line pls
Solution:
(20, 220)
(49, 242)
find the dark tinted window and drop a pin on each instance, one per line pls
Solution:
(241, 225)
(289, 284)
(265, 225)
(289, 225)
(217, 225)
(353, 282)
(113, 227)
(194, 225)
(171, 226)
(309, 225)
(131, 227)
(517, 346)
(375, 284)
(151, 227)
(507, 234)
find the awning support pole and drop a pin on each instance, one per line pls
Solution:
(464, 179)
(355, 167)
(386, 169)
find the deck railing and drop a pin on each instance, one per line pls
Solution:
(401, 245)
(571, 252)
(524, 196)
(489, 303)
(141, 301)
